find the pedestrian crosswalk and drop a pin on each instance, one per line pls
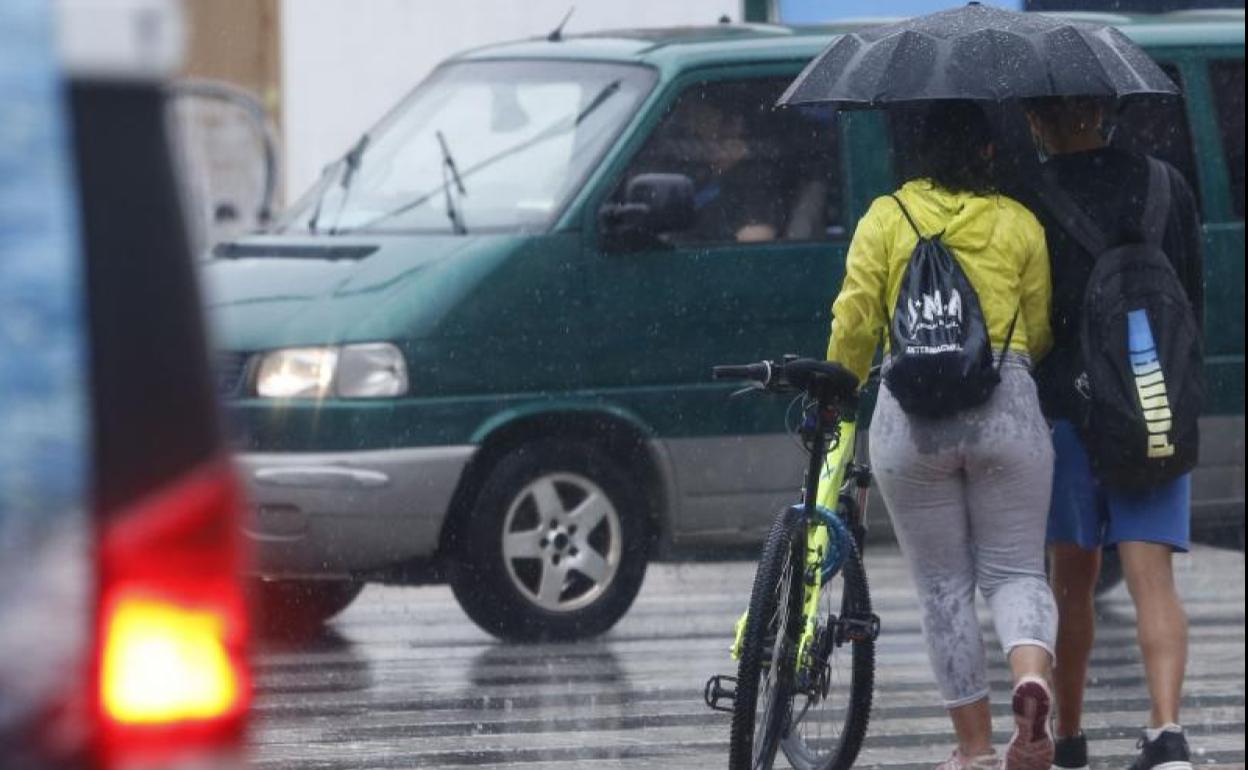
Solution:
(403, 680)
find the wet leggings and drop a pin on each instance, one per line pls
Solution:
(969, 498)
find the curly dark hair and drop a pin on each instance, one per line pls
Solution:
(954, 148)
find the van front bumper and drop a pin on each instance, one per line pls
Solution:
(333, 514)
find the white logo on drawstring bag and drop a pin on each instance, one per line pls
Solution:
(931, 313)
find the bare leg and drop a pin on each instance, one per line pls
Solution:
(1161, 624)
(973, 725)
(1073, 573)
(1030, 660)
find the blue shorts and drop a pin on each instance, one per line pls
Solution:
(1087, 514)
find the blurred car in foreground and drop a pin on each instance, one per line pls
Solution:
(478, 349)
(123, 626)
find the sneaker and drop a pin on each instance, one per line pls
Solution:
(1031, 748)
(1071, 753)
(959, 761)
(1168, 751)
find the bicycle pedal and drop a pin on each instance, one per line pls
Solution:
(865, 629)
(716, 692)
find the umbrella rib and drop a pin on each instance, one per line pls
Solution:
(1000, 57)
(1139, 79)
(1113, 91)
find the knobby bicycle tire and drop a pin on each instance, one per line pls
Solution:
(842, 751)
(774, 609)
(775, 586)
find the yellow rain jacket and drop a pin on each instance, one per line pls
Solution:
(997, 242)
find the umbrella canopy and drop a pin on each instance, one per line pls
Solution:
(977, 52)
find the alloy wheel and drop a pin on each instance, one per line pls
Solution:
(562, 542)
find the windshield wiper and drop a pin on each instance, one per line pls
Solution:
(450, 169)
(348, 165)
(316, 210)
(351, 164)
(555, 129)
(606, 93)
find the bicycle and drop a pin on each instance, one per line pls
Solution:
(809, 622)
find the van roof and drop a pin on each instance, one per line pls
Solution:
(684, 47)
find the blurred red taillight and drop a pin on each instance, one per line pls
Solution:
(164, 664)
(172, 674)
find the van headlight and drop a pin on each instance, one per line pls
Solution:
(369, 370)
(372, 370)
(296, 373)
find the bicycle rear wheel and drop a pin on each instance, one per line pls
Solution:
(765, 672)
(828, 718)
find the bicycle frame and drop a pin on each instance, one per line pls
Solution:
(828, 473)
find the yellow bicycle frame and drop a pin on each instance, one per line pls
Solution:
(838, 458)
(831, 480)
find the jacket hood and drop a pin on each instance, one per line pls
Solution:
(965, 221)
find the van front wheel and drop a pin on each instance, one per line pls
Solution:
(556, 545)
(298, 606)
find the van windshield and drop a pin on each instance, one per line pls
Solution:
(488, 146)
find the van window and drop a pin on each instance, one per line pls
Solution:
(480, 146)
(1228, 94)
(1159, 127)
(760, 173)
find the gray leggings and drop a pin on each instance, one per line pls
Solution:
(969, 498)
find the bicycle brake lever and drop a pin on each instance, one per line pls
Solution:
(752, 387)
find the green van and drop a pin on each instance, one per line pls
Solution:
(478, 349)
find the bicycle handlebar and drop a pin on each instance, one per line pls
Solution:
(825, 380)
(760, 373)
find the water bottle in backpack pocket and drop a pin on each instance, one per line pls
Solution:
(941, 354)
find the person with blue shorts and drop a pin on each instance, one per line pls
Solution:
(1085, 516)
(1090, 516)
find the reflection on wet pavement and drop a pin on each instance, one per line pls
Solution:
(404, 680)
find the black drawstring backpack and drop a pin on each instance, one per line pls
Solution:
(941, 353)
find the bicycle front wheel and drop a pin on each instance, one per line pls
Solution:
(761, 708)
(831, 704)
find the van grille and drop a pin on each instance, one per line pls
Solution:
(231, 370)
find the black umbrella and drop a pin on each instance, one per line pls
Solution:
(977, 52)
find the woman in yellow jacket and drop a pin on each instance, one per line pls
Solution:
(969, 493)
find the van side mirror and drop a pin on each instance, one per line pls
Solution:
(227, 152)
(225, 212)
(654, 205)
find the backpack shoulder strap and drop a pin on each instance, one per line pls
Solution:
(1069, 215)
(909, 218)
(1157, 205)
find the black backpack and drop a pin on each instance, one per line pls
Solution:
(941, 354)
(1143, 374)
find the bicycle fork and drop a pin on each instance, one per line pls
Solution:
(817, 542)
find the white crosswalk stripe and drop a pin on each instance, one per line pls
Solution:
(404, 680)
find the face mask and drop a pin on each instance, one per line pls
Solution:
(1039, 145)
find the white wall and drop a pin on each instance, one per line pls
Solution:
(345, 62)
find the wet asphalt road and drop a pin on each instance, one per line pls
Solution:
(403, 679)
